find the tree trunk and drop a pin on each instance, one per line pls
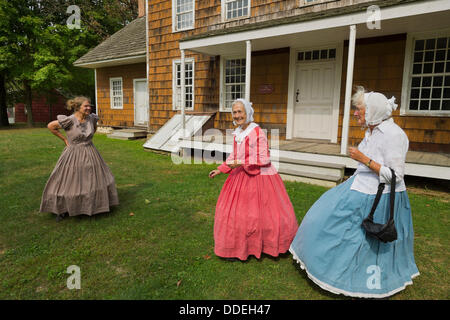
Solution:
(28, 102)
(3, 106)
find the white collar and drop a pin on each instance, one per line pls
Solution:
(382, 126)
(240, 134)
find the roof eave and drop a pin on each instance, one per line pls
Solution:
(137, 58)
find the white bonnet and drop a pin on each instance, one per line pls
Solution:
(248, 109)
(378, 107)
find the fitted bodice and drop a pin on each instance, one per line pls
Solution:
(78, 132)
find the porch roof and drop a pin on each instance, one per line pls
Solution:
(126, 46)
(317, 28)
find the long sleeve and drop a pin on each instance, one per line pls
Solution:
(257, 153)
(224, 168)
(395, 149)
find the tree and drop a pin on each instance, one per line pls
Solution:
(38, 49)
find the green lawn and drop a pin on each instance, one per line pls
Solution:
(165, 249)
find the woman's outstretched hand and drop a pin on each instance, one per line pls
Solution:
(214, 173)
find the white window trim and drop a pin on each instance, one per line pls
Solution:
(224, 12)
(111, 92)
(406, 83)
(222, 80)
(174, 17)
(174, 82)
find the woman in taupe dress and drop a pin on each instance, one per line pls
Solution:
(81, 182)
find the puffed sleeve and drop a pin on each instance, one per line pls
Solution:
(258, 153)
(64, 121)
(395, 151)
(94, 118)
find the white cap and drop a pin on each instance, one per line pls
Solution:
(248, 109)
(378, 107)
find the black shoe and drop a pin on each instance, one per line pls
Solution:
(231, 259)
(61, 216)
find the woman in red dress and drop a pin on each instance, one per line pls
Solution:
(254, 214)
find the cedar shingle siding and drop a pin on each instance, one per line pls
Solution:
(375, 67)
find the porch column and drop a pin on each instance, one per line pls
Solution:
(96, 94)
(248, 68)
(348, 89)
(183, 93)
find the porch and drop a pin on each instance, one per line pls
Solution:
(333, 149)
(311, 98)
(313, 161)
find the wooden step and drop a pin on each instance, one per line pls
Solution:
(128, 134)
(309, 177)
(311, 163)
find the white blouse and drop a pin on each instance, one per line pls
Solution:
(387, 144)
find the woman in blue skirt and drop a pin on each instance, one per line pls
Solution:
(331, 245)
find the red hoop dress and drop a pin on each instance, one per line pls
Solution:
(254, 214)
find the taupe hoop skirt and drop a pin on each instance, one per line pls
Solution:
(81, 182)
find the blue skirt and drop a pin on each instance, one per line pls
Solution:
(336, 253)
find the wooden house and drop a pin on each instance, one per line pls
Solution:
(45, 108)
(120, 75)
(298, 62)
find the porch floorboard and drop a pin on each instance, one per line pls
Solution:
(428, 158)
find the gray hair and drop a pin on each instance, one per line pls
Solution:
(248, 109)
(358, 97)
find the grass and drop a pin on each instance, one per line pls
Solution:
(165, 249)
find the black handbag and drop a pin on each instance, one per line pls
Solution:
(383, 232)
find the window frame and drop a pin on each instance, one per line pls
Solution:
(223, 60)
(176, 62)
(111, 92)
(407, 73)
(223, 11)
(175, 14)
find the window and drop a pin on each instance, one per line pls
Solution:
(116, 93)
(428, 89)
(316, 55)
(233, 81)
(183, 15)
(189, 84)
(232, 9)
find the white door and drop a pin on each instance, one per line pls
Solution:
(313, 100)
(141, 113)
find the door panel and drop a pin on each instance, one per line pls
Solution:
(314, 100)
(140, 103)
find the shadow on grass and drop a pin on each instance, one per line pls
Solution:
(127, 195)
